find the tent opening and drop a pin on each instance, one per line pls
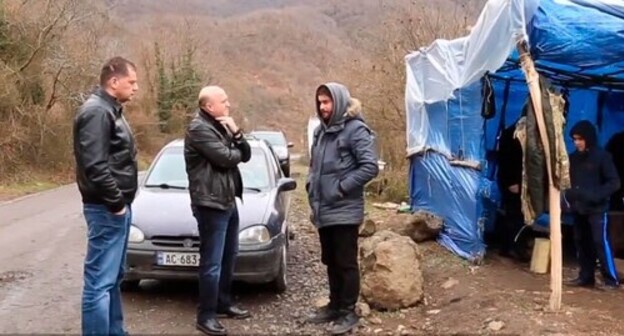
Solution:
(462, 94)
(504, 103)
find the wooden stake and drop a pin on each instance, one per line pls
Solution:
(554, 194)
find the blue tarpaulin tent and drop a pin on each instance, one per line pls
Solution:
(577, 45)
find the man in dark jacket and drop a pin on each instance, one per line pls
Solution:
(106, 174)
(343, 160)
(213, 148)
(594, 179)
(509, 182)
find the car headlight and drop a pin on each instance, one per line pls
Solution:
(135, 235)
(254, 235)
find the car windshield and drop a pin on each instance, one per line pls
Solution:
(275, 139)
(169, 171)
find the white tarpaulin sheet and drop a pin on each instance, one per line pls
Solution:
(435, 72)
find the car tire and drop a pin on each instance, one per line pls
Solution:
(280, 283)
(130, 285)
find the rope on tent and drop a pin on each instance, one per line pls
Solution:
(463, 137)
(563, 83)
(446, 124)
(520, 232)
(501, 127)
(571, 78)
(429, 186)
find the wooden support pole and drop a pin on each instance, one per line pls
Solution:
(554, 194)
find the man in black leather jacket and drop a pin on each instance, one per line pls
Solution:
(106, 173)
(213, 148)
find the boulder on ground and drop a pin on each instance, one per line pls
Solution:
(391, 275)
(420, 226)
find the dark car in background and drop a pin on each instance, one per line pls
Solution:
(164, 244)
(280, 145)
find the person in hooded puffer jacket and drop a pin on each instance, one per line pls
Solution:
(594, 179)
(343, 160)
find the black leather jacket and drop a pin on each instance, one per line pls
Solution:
(105, 153)
(212, 157)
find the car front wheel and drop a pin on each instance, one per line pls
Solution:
(280, 283)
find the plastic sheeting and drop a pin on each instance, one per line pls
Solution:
(570, 36)
(436, 73)
(313, 122)
(438, 187)
(571, 40)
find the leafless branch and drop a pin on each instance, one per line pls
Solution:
(53, 96)
(42, 39)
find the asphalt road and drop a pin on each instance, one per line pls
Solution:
(42, 243)
(42, 246)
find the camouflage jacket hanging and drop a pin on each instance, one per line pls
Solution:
(534, 191)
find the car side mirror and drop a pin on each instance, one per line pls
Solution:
(286, 184)
(290, 144)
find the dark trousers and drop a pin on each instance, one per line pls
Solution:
(218, 235)
(339, 252)
(512, 223)
(592, 241)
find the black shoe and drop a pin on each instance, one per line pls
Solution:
(521, 255)
(610, 286)
(504, 253)
(211, 327)
(235, 313)
(580, 283)
(347, 322)
(518, 254)
(324, 315)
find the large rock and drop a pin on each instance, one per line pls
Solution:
(420, 226)
(391, 275)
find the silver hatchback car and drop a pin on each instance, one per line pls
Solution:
(164, 243)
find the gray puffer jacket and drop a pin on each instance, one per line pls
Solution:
(343, 160)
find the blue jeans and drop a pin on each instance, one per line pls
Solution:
(102, 312)
(218, 235)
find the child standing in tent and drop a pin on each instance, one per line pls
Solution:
(594, 179)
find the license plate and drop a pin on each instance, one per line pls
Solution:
(177, 259)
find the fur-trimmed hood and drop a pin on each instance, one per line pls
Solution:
(355, 108)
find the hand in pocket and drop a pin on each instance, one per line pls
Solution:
(121, 212)
(337, 193)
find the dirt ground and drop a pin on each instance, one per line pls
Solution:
(40, 284)
(501, 297)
